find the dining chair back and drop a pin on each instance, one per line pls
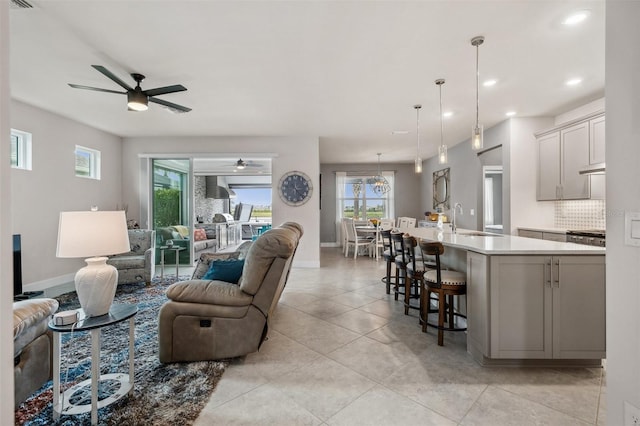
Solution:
(353, 239)
(406, 222)
(386, 223)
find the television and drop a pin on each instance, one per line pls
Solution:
(17, 265)
(18, 294)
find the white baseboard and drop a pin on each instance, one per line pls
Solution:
(50, 282)
(329, 244)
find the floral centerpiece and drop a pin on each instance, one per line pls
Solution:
(374, 222)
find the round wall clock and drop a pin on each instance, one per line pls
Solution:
(295, 188)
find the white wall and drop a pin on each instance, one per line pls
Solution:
(623, 194)
(39, 195)
(291, 153)
(523, 165)
(6, 289)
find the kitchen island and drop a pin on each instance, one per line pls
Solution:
(529, 301)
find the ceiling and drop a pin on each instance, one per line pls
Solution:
(348, 72)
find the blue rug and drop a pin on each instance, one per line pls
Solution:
(164, 394)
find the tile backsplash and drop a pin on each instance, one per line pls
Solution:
(580, 214)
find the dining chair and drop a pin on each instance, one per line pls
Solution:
(355, 240)
(446, 284)
(406, 222)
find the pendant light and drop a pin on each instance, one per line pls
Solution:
(379, 183)
(442, 149)
(477, 132)
(418, 166)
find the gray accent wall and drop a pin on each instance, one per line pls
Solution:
(518, 156)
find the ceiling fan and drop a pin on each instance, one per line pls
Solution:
(138, 99)
(242, 164)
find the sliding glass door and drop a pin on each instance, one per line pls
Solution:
(171, 209)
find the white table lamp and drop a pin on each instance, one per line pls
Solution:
(93, 235)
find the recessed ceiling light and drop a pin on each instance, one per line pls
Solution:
(510, 113)
(573, 82)
(400, 132)
(576, 17)
(489, 83)
(447, 114)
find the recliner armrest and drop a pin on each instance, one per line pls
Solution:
(208, 292)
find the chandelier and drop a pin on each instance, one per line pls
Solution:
(379, 183)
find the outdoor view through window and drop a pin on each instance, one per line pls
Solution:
(259, 198)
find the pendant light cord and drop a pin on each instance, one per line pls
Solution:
(441, 123)
(417, 108)
(477, 84)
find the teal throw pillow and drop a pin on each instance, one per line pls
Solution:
(229, 270)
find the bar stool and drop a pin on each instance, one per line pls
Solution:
(388, 255)
(414, 273)
(397, 244)
(446, 284)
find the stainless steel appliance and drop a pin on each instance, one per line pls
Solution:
(590, 237)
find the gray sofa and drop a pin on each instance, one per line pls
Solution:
(138, 264)
(209, 320)
(32, 346)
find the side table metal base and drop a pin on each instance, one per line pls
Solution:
(77, 399)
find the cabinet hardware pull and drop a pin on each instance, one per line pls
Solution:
(556, 277)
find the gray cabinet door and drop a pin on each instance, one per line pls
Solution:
(579, 307)
(575, 155)
(521, 303)
(597, 140)
(548, 187)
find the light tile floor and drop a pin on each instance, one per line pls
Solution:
(342, 352)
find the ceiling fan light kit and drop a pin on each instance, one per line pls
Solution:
(138, 99)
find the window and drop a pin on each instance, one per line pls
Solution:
(20, 150)
(358, 201)
(258, 196)
(87, 162)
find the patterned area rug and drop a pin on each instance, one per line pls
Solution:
(164, 394)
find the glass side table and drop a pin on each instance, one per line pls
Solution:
(72, 401)
(175, 248)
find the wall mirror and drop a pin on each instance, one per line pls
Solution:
(441, 189)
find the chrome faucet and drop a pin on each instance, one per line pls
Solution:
(456, 206)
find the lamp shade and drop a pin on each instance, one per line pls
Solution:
(92, 233)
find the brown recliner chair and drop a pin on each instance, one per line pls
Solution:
(209, 320)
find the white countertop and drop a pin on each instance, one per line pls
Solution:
(502, 244)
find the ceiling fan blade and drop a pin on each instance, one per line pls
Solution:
(97, 89)
(170, 105)
(164, 90)
(112, 76)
